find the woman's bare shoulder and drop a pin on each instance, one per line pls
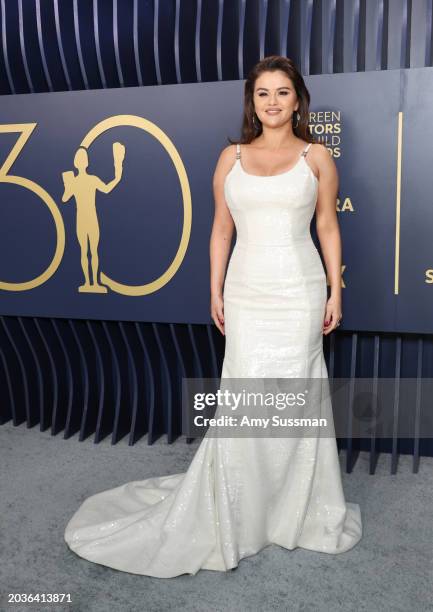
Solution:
(229, 152)
(321, 154)
(323, 161)
(225, 162)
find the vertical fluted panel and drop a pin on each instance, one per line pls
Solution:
(116, 43)
(398, 25)
(263, 23)
(7, 410)
(284, 25)
(38, 369)
(197, 41)
(156, 42)
(136, 48)
(182, 361)
(5, 47)
(331, 359)
(220, 39)
(349, 31)
(417, 421)
(85, 380)
(99, 382)
(328, 18)
(140, 43)
(305, 42)
(148, 403)
(212, 353)
(428, 59)
(117, 383)
(78, 43)
(157, 425)
(20, 382)
(374, 406)
(177, 42)
(374, 32)
(252, 34)
(39, 26)
(146, 371)
(396, 406)
(23, 46)
(73, 416)
(241, 32)
(132, 380)
(60, 44)
(420, 37)
(352, 375)
(98, 44)
(54, 386)
(67, 408)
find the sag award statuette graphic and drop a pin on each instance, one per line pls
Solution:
(83, 187)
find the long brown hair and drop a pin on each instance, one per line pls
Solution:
(251, 129)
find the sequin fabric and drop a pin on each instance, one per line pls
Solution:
(242, 494)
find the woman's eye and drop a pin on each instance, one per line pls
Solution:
(283, 93)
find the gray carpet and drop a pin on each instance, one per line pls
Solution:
(45, 478)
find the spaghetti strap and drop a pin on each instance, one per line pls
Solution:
(305, 151)
(238, 151)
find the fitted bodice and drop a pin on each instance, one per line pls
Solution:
(272, 210)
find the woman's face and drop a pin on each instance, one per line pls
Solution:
(274, 91)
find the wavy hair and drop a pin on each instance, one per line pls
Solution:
(250, 128)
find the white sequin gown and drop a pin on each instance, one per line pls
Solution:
(242, 494)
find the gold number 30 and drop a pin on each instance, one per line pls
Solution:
(135, 121)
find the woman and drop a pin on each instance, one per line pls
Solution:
(241, 494)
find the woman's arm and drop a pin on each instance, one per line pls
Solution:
(221, 236)
(328, 232)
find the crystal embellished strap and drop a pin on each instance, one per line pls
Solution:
(238, 151)
(305, 151)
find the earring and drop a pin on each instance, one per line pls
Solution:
(298, 116)
(257, 126)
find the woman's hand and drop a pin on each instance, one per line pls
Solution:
(217, 312)
(333, 315)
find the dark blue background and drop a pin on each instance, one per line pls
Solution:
(141, 219)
